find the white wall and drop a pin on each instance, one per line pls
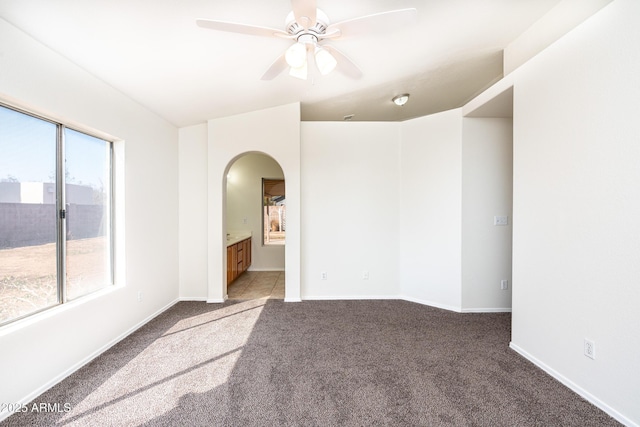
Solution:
(566, 15)
(276, 132)
(487, 190)
(350, 181)
(244, 202)
(430, 210)
(193, 212)
(576, 232)
(42, 350)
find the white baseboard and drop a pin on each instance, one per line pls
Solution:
(292, 300)
(58, 378)
(348, 297)
(215, 300)
(573, 386)
(432, 304)
(486, 310)
(193, 299)
(411, 299)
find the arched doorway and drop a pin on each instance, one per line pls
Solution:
(255, 260)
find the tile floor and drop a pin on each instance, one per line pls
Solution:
(257, 285)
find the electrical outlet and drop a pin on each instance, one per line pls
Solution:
(589, 349)
(501, 220)
(504, 284)
(140, 296)
(365, 275)
(323, 275)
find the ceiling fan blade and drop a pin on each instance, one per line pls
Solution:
(345, 65)
(278, 66)
(305, 12)
(376, 23)
(333, 33)
(232, 27)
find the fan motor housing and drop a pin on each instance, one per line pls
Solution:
(295, 29)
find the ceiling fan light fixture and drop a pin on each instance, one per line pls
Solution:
(296, 55)
(308, 25)
(400, 100)
(299, 72)
(324, 60)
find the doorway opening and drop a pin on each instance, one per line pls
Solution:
(255, 268)
(487, 214)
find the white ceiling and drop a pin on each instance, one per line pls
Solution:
(152, 51)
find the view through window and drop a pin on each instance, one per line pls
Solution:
(55, 214)
(274, 211)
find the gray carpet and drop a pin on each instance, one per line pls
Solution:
(315, 363)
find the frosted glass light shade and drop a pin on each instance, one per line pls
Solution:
(299, 72)
(325, 61)
(296, 55)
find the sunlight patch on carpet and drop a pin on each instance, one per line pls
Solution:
(131, 396)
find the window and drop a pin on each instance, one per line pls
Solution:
(274, 211)
(55, 214)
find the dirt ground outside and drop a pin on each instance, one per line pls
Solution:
(28, 275)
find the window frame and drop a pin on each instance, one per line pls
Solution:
(60, 212)
(262, 193)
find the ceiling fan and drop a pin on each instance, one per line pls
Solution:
(310, 28)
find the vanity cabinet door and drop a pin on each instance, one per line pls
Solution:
(232, 263)
(234, 260)
(246, 253)
(229, 264)
(240, 257)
